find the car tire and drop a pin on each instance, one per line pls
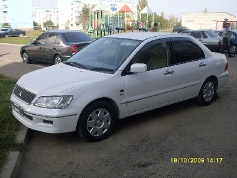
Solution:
(233, 49)
(6, 36)
(207, 93)
(97, 121)
(57, 59)
(25, 58)
(21, 35)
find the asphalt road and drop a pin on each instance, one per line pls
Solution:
(182, 140)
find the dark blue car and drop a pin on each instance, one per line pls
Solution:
(233, 40)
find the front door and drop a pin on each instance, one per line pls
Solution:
(154, 88)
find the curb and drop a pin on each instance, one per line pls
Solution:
(13, 163)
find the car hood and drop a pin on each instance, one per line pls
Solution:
(59, 78)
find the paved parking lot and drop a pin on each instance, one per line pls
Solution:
(182, 140)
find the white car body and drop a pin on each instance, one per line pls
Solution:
(129, 94)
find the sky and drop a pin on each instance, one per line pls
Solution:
(169, 7)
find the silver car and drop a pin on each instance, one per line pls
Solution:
(208, 37)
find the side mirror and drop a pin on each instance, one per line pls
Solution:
(33, 41)
(138, 68)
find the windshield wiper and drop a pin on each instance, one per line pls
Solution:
(75, 64)
(102, 69)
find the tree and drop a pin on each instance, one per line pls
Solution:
(173, 21)
(162, 14)
(85, 16)
(48, 24)
(36, 26)
(6, 25)
(141, 5)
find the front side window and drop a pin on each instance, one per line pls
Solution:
(156, 56)
(185, 51)
(42, 38)
(212, 34)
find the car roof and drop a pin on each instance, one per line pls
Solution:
(62, 31)
(205, 30)
(144, 35)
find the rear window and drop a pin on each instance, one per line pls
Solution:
(76, 37)
(212, 34)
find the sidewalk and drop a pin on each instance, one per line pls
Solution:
(12, 166)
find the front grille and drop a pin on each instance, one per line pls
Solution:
(23, 94)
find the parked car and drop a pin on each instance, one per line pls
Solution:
(54, 46)
(3, 31)
(233, 40)
(115, 77)
(179, 29)
(15, 33)
(207, 37)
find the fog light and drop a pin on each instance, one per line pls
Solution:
(47, 122)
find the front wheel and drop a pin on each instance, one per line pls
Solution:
(207, 92)
(97, 121)
(25, 58)
(233, 49)
(57, 59)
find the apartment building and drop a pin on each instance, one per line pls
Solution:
(41, 15)
(16, 13)
(69, 14)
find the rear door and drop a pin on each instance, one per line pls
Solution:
(189, 66)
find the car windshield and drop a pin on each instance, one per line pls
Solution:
(104, 55)
(212, 34)
(76, 37)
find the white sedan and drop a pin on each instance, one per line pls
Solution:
(115, 77)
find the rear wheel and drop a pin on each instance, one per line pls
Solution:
(97, 121)
(25, 57)
(57, 59)
(233, 49)
(207, 92)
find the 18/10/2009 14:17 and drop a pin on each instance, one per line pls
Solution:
(196, 160)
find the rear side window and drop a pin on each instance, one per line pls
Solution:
(185, 51)
(76, 37)
(196, 34)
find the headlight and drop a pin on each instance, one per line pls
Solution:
(53, 102)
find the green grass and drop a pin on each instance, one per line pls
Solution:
(30, 35)
(8, 124)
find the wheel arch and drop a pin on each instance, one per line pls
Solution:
(108, 100)
(215, 80)
(23, 52)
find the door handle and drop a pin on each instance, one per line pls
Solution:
(168, 72)
(202, 64)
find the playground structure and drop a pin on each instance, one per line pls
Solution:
(104, 20)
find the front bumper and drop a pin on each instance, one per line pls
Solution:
(45, 120)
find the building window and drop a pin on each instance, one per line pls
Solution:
(189, 21)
